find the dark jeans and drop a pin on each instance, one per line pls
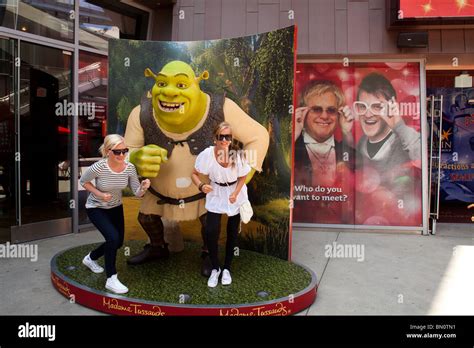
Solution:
(212, 234)
(110, 223)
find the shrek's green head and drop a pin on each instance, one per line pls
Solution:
(177, 99)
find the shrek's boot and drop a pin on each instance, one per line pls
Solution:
(157, 249)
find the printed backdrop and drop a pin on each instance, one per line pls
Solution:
(380, 191)
(256, 72)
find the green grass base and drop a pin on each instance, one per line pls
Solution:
(166, 281)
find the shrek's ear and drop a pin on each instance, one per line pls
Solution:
(204, 76)
(149, 73)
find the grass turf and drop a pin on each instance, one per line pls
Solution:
(166, 281)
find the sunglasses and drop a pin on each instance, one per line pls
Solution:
(120, 152)
(224, 137)
(376, 108)
(318, 110)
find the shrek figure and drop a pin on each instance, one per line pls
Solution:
(165, 133)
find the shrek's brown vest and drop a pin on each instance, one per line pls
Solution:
(197, 141)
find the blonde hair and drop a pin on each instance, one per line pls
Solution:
(110, 142)
(320, 87)
(220, 127)
(234, 148)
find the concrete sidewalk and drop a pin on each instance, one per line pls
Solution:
(396, 274)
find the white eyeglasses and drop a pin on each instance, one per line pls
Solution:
(376, 108)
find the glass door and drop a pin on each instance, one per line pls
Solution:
(8, 203)
(45, 138)
(40, 153)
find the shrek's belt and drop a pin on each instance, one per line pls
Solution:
(174, 201)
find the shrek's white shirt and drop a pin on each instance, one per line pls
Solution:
(217, 201)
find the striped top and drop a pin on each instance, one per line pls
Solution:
(108, 181)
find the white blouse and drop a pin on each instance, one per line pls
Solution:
(217, 201)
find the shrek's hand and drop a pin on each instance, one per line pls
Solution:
(148, 160)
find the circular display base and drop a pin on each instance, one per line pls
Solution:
(261, 285)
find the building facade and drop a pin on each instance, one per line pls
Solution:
(56, 52)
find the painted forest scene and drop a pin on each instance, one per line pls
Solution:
(257, 73)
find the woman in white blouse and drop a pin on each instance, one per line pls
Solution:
(227, 169)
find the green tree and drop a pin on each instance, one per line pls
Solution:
(124, 108)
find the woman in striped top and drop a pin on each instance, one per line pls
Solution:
(104, 206)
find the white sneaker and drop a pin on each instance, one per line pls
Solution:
(214, 278)
(226, 278)
(91, 264)
(114, 285)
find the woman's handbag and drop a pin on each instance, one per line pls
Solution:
(246, 212)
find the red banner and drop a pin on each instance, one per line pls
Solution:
(436, 8)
